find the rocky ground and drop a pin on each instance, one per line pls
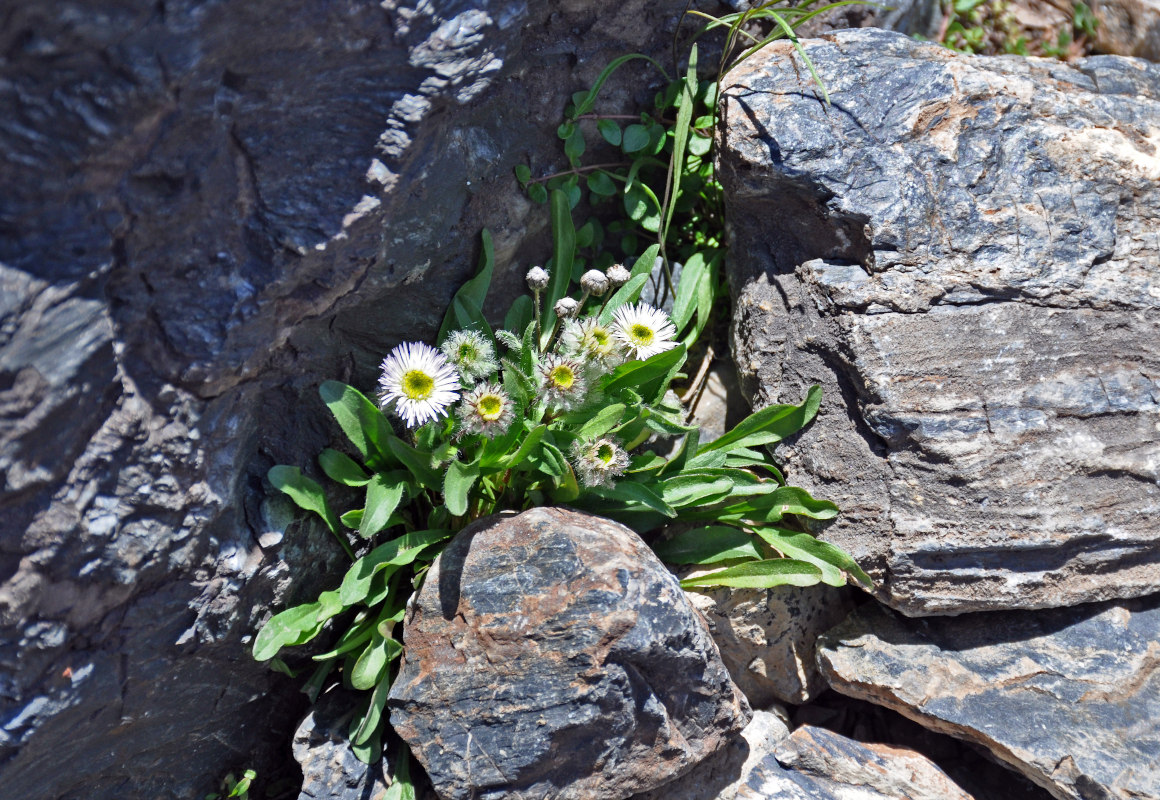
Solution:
(209, 208)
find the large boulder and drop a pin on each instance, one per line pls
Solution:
(1069, 697)
(963, 252)
(551, 654)
(1128, 27)
(208, 208)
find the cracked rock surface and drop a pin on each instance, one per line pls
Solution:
(209, 208)
(551, 654)
(964, 252)
(1069, 697)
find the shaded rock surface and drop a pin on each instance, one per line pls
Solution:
(810, 763)
(1069, 697)
(330, 770)
(767, 636)
(963, 251)
(208, 209)
(550, 654)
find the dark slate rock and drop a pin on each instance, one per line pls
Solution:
(962, 251)
(551, 655)
(1069, 697)
(207, 209)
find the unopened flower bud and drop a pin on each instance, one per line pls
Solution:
(537, 278)
(566, 308)
(594, 282)
(618, 275)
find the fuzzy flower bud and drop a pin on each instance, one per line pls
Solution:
(566, 308)
(594, 282)
(537, 278)
(618, 275)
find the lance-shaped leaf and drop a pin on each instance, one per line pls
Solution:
(759, 575)
(383, 496)
(831, 560)
(342, 468)
(361, 421)
(708, 545)
(296, 625)
(391, 555)
(457, 485)
(770, 424)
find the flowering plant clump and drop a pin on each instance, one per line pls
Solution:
(570, 402)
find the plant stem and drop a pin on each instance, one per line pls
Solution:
(580, 171)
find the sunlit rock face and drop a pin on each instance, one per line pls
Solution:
(963, 251)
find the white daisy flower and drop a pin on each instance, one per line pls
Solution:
(644, 330)
(563, 381)
(598, 461)
(590, 339)
(471, 353)
(417, 383)
(486, 409)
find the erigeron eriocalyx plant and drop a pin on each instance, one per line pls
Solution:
(557, 407)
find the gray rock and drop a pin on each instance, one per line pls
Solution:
(322, 749)
(551, 654)
(208, 209)
(809, 764)
(963, 252)
(767, 636)
(1069, 697)
(1128, 27)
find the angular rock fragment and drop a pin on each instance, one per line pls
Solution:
(767, 636)
(1128, 27)
(330, 770)
(551, 654)
(963, 251)
(1069, 697)
(810, 764)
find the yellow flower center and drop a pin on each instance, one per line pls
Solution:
(561, 376)
(605, 453)
(418, 385)
(641, 335)
(490, 407)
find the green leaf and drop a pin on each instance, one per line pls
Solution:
(417, 462)
(361, 421)
(523, 173)
(680, 140)
(401, 786)
(831, 560)
(770, 424)
(708, 545)
(642, 206)
(610, 131)
(574, 145)
(393, 554)
(633, 492)
(531, 441)
(759, 575)
(563, 252)
(370, 752)
(383, 497)
(695, 269)
(600, 184)
(371, 666)
(646, 376)
(519, 314)
(604, 420)
(634, 138)
(687, 490)
(473, 291)
(457, 485)
(364, 726)
(771, 507)
(625, 294)
(537, 193)
(306, 493)
(342, 468)
(293, 626)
